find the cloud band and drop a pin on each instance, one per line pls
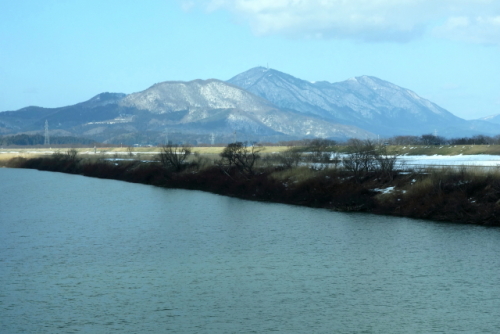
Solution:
(476, 21)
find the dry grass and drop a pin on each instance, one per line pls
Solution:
(6, 157)
(269, 150)
(296, 175)
(447, 194)
(419, 188)
(136, 150)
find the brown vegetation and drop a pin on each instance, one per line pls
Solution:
(454, 195)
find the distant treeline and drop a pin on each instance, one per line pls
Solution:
(34, 140)
(430, 139)
(427, 139)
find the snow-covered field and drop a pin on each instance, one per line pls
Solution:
(453, 160)
(479, 160)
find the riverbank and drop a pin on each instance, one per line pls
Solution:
(452, 195)
(445, 150)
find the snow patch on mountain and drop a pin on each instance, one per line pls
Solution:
(211, 100)
(194, 95)
(367, 102)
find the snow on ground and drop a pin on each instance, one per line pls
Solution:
(451, 160)
(484, 160)
(384, 190)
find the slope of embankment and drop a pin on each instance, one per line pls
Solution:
(457, 195)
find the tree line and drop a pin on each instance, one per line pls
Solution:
(243, 158)
(430, 139)
(37, 139)
(425, 139)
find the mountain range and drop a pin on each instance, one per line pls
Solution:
(492, 119)
(260, 104)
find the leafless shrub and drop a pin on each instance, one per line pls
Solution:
(241, 156)
(320, 150)
(130, 151)
(57, 155)
(72, 154)
(365, 156)
(386, 163)
(200, 162)
(173, 157)
(289, 158)
(360, 157)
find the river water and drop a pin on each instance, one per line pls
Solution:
(83, 255)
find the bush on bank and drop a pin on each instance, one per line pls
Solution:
(453, 195)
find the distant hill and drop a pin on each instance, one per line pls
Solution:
(206, 106)
(366, 102)
(192, 111)
(258, 105)
(99, 108)
(492, 119)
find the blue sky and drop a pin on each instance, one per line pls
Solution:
(57, 53)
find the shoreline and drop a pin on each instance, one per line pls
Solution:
(444, 195)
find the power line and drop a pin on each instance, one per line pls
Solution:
(47, 138)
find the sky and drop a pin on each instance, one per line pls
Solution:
(55, 53)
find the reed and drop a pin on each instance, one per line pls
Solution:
(461, 195)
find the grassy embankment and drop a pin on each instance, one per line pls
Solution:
(149, 152)
(454, 195)
(145, 153)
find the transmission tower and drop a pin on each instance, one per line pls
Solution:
(47, 138)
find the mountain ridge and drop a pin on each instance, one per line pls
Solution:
(258, 104)
(195, 108)
(491, 118)
(367, 101)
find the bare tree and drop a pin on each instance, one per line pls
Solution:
(130, 151)
(289, 158)
(320, 149)
(173, 157)
(386, 163)
(241, 156)
(361, 156)
(364, 156)
(72, 154)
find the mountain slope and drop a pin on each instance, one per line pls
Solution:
(195, 108)
(367, 102)
(99, 108)
(495, 119)
(209, 105)
(259, 104)
(194, 95)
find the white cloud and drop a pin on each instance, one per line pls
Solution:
(480, 29)
(187, 5)
(369, 20)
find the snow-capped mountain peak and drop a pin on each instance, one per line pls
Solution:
(365, 101)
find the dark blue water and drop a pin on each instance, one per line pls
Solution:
(82, 255)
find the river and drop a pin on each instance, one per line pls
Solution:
(84, 255)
